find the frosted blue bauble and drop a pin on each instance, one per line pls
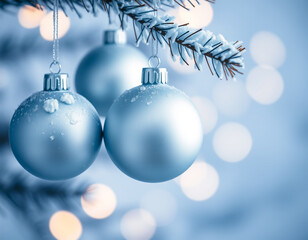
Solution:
(55, 134)
(107, 71)
(153, 132)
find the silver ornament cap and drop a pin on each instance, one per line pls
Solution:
(154, 76)
(56, 82)
(114, 37)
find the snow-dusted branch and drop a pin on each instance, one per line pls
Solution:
(198, 44)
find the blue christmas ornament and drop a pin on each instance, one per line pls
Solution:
(107, 71)
(55, 134)
(153, 132)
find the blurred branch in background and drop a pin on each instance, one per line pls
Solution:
(187, 43)
(20, 192)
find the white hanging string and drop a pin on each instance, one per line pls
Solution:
(55, 48)
(154, 43)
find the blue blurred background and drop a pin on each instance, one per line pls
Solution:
(250, 179)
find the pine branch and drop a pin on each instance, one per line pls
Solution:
(199, 45)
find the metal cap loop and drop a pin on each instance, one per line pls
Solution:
(55, 64)
(151, 61)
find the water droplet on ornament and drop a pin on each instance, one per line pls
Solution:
(52, 138)
(133, 99)
(142, 88)
(148, 103)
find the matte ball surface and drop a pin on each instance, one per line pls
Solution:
(106, 72)
(55, 135)
(153, 133)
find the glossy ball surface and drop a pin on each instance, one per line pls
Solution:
(153, 133)
(55, 135)
(106, 72)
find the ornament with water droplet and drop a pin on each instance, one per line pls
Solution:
(55, 134)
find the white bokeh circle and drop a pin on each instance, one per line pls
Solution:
(64, 225)
(197, 17)
(264, 84)
(46, 27)
(30, 17)
(232, 142)
(207, 111)
(138, 224)
(267, 48)
(99, 201)
(200, 182)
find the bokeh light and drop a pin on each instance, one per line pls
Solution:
(231, 98)
(30, 17)
(64, 225)
(267, 48)
(99, 201)
(161, 204)
(232, 142)
(200, 182)
(197, 17)
(207, 111)
(138, 224)
(264, 84)
(46, 27)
